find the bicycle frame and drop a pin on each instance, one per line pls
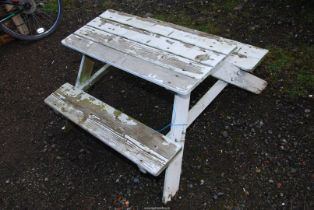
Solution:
(14, 12)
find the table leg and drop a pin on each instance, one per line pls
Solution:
(85, 71)
(177, 134)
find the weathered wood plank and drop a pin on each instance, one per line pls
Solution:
(159, 57)
(194, 53)
(233, 75)
(145, 147)
(156, 74)
(246, 57)
(17, 20)
(168, 30)
(177, 134)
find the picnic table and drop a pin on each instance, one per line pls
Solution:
(171, 56)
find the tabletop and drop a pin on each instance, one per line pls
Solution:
(168, 55)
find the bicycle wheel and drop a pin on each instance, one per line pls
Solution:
(38, 19)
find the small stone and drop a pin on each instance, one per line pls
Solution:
(220, 194)
(257, 170)
(215, 197)
(7, 181)
(58, 158)
(307, 110)
(261, 123)
(245, 191)
(225, 134)
(271, 181)
(136, 180)
(237, 8)
(202, 182)
(46, 179)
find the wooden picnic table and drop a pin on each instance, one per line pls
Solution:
(168, 55)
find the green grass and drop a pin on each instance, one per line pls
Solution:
(50, 7)
(278, 60)
(229, 5)
(294, 68)
(106, 4)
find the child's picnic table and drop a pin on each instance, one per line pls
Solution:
(168, 55)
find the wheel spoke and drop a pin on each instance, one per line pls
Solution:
(40, 20)
(45, 15)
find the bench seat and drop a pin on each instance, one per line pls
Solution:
(147, 148)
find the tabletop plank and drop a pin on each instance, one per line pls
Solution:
(246, 56)
(161, 76)
(194, 53)
(170, 61)
(168, 30)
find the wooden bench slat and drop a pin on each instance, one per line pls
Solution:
(171, 80)
(246, 57)
(194, 53)
(176, 63)
(145, 147)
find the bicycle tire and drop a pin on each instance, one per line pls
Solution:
(25, 37)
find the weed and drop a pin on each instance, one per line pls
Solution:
(294, 68)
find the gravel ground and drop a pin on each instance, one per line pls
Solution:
(245, 152)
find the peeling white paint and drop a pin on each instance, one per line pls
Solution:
(126, 119)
